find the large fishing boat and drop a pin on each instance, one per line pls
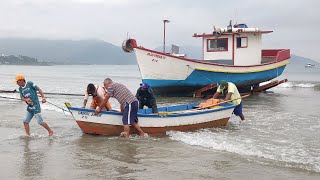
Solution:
(233, 54)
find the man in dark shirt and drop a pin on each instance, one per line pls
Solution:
(146, 97)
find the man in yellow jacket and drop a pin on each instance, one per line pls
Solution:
(230, 91)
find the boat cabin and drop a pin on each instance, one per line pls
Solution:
(236, 45)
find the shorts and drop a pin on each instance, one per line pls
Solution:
(30, 116)
(130, 113)
(238, 110)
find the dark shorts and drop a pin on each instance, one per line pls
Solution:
(238, 110)
(130, 113)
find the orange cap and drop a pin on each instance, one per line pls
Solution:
(20, 77)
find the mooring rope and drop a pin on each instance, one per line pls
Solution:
(64, 94)
(63, 109)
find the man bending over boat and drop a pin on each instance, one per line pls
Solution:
(128, 105)
(146, 97)
(28, 93)
(97, 92)
(230, 91)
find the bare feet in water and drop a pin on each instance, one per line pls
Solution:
(50, 133)
(124, 134)
(145, 135)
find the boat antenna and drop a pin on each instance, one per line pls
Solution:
(229, 28)
(236, 15)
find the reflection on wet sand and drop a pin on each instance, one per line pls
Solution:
(103, 156)
(33, 161)
(35, 157)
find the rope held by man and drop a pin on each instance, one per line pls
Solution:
(46, 101)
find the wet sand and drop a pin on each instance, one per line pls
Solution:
(70, 154)
(278, 139)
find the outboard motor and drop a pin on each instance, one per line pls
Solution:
(127, 46)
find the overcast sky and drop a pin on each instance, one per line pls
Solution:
(295, 22)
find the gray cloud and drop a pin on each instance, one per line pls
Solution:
(295, 23)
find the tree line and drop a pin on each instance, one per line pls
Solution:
(20, 60)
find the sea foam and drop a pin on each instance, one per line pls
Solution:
(293, 156)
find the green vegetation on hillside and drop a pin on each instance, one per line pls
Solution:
(20, 60)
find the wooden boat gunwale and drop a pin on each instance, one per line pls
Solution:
(177, 114)
(110, 122)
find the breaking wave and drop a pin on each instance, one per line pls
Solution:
(299, 85)
(251, 149)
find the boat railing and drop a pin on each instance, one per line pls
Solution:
(269, 55)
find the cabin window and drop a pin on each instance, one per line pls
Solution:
(217, 44)
(242, 42)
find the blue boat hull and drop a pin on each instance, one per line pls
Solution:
(198, 79)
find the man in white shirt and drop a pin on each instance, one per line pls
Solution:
(97, 92)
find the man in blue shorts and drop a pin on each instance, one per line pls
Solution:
(231, 92)
(28, 93)
(128, 105)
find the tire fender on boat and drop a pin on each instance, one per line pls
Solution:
(127, 46)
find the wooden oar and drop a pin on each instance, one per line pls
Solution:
(223, 102)
(190, 110)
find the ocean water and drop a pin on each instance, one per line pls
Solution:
(278, 140)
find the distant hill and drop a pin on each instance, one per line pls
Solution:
(67, 51)
(299, 60)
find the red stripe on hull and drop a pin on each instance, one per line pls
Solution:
(115, 130)
(282, 55)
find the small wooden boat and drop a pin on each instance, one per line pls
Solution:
(172, 118)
